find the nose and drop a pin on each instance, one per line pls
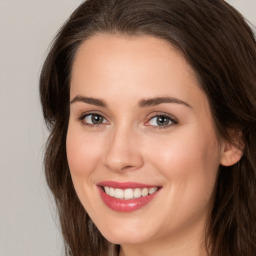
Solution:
(123, 151)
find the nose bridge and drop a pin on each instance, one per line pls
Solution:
(123, 149)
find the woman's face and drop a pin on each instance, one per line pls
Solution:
(140, 124)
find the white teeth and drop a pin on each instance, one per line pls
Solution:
(119, 193)
(137, 193)
(112, 192)
(144, 192)
(152, 190)
(107, 190)
(129, 193)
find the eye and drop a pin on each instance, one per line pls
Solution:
(161, 121)
(93, 119)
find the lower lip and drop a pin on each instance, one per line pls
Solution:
(125, 205)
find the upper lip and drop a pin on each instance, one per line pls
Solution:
(124, 185)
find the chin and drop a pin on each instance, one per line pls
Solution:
(124, 236)
(124, 239)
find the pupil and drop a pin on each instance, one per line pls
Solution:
(162, 120)
(96, 119)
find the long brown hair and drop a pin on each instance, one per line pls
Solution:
(220, 46)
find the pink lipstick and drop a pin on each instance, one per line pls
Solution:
(128, 196)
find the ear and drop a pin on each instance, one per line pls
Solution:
(232, 152)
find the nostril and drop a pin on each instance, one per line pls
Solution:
(128, 167)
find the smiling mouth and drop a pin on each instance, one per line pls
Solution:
(129, 193)
(126, 196)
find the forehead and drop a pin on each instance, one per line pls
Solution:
(141, 65)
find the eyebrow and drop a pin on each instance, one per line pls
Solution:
(142, 103)
(160, 100)
(89, 100)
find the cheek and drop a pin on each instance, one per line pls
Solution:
(185, 151)
(83, 151)
(189, 162)
(83, 154)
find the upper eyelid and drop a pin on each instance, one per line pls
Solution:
(82, 117)
(150, 116)
(173, 122)
(93, 112)
(155, 114)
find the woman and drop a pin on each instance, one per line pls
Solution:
(152, 111)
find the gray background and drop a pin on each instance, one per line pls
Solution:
(28, 222)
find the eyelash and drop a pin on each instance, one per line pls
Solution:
(163, 115)
(172, 121)
(83, 116)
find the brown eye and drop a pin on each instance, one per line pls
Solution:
(96, 119)
(93, 119)
(161, 121)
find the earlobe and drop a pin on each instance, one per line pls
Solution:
(231, 154)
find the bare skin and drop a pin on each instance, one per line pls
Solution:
(171, 144)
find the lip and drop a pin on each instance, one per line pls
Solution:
(124, 185)
(122, 205)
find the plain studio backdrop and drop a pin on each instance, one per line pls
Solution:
(28, 221)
